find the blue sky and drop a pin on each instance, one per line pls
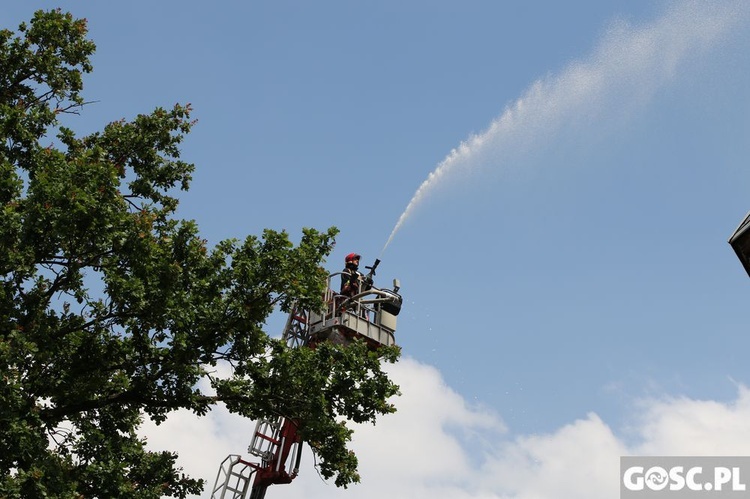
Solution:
(569, 267)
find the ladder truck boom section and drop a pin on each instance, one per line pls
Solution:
(370, 315)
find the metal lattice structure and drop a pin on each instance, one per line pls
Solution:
(233, 479)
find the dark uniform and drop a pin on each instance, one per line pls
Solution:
(351, 278)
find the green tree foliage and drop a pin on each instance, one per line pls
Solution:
(112, 309)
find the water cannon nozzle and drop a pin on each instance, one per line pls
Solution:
(374, 266)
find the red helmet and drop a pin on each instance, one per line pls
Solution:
(351, 257)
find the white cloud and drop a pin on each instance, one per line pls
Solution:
(439, 446)
(580, 460)
(683, 426)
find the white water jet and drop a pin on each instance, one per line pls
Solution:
(627, 68)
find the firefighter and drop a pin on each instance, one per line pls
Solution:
(351, 278)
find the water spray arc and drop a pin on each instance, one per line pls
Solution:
(422, 191)
(628, 67)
